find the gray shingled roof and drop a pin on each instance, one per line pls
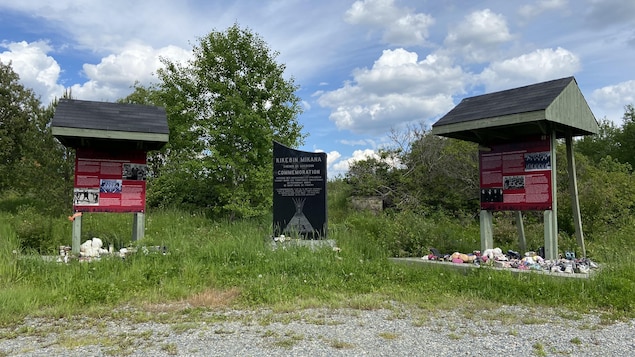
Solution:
(85, 123)
(520, 112)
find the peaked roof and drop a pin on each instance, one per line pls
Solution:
(520, 112)
(79, 123)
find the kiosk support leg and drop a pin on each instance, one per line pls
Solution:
(77, 234)
(138, 226)
(551, 216)
(521, 231)
(487, 237)
(551, 237)
(573, 191)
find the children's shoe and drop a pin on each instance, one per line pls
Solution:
(582, 269)
(513, 254)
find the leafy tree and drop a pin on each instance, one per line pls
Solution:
(606, 192)
(626, 137)
(612, 141)
(426, 173)
(443, 173)
(19, 114)
(29, 154)
(601, 145)
(225, 106)
(375, 176)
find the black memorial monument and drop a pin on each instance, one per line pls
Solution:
(299, 193)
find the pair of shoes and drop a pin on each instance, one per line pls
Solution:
(436, 253)
(582, 269)
(541, 252)
(590, 263)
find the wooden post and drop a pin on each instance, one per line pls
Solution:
(573, 191)
(551, 216)
(138, 226)
(487, 237)
(77, 234)
(521, 231)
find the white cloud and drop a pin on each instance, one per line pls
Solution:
(361, 142)
(400, 26)
(37, 70)
(479, 36)
(609, 101)
(332, 157)
(538, 66)
(398, 90)
(343, 166)
(108, 80)
(105, 25)
(358, 155)
(539, 7)
(113, 77)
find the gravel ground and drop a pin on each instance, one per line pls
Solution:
(398, 331)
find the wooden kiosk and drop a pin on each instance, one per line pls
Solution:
(111, 141)
(516, 131)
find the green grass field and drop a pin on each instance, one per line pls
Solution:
(232, 264)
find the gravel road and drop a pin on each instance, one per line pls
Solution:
(396, 331)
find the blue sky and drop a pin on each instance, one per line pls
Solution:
(365, 68)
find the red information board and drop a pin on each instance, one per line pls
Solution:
(109, 181)
(517, 176)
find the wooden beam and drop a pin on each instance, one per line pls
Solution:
(551, 216)
(573, 191)
(487, 236)
(522, 242)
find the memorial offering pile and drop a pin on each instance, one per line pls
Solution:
(93, 249)
(495, 257)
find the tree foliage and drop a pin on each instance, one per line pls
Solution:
(19, 120)
(424, 173)
(442, 172)
(625, 138)
(616, 142)
(29, 154)
(225, 106)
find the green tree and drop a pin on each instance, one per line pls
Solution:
(425, 173)
(612, 141)
(376, 176)
(625, 138)
(602, 144)
(442, 173)
(29, 154)
(19, 115)
(225, 106)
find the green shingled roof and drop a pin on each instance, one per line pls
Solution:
(520, 112)
(79, 123)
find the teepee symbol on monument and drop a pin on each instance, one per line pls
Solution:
(299, 223)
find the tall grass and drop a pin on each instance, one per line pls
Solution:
(203, 255)
(9, 252)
